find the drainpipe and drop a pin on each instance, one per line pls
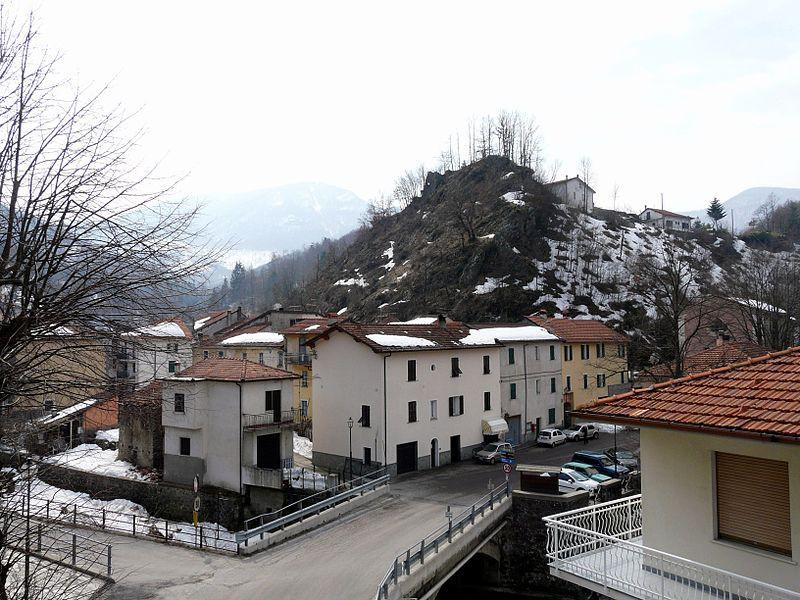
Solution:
(241, 487)
(385, 416)
(525, 379)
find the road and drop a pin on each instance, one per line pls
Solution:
(344, 559)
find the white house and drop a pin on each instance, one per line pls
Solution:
(155, 351)
(419, 396)
(229, 421)
(574, 192)
(719, 513)
(665, 219)
(530, 377)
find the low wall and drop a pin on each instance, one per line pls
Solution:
(162, 500)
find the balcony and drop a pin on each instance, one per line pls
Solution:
(297, 358)
(600, 548)
(269, 478)
(268, 418)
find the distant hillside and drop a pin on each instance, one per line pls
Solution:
(744, 205)
(280, 219)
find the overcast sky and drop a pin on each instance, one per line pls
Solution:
(689, 100)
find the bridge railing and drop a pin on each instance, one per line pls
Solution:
(418, 553)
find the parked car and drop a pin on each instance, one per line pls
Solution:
(550, 437)
(570, 480)
(580, 431)
(587, 470)
(491, 453)
(624, 457)
(602, 463)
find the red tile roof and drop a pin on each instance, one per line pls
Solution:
(233, 369)
(667, 213)
(580, 330)
(756, 398)
(301, 326)
(727, 353)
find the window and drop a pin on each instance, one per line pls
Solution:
(180, 403)
(49, 404)
(364, 420)
(601, 380)
(221, 354)
(173, 366)
(434, 410)
(456, 405)
(551, 415)
(185, 446)
(455, 370)
(567, 353)
(412, 411)
(205, 353)
(552, 352)
(304, 379)
(134, 367)
(600, 350)
(272, 401)
(512, 389)
(748, 486)
(367, 456)
(412, 370)
(486, 365)
(621, 350)
(304, 408)
(261, 358)
(569, 383)
(622, 377)
(536, 353)
(552, 385)
(244, 355)
(487, 401)
(584, 351)
(585, 381)
(511, 356)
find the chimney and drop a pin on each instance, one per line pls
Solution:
(442, 321)
(720, 339)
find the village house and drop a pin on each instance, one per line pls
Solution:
(531, 395)
(665, 219)
(720, 503)
(720, 355)
(594, 359)
(256, 342)
(75, 424)
(574, 192)
(408, 396)
(141, 434)
(154, 352)
(209, 324)
(227, 421)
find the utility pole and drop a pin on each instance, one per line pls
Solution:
(27, 582)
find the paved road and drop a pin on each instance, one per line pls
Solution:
(344, 559)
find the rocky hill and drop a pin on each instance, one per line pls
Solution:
(490, 242)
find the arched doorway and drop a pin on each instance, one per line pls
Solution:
(434, 453)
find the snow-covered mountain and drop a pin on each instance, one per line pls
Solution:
(265, 222)
(744, 205)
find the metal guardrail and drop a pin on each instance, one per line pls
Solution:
(597, 544)
(416, 554)
(293, 513)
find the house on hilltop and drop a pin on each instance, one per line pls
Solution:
(665, 219)
(575, 192)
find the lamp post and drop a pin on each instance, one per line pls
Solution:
(350, 430)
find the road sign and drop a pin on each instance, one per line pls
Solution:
(507, 467)
(197, 503)
(194, 518)
(507, 460)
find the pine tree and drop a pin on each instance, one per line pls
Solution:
(716, 212)
(238, 283)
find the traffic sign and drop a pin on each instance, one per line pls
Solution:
(197, 503)
(507, 468)
(507, 460)
(194, 518)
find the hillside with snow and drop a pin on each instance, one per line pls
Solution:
(489, 242)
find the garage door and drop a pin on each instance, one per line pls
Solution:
(406, 457)
(514, 429)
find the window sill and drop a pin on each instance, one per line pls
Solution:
(757, 551)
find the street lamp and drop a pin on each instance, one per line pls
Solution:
(350, 430)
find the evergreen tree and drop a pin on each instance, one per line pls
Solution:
(238, 276)
(716, 212)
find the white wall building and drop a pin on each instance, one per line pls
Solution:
(574, 192)
(665, 219)
(230, 422)
(530, 377)
(156, 351)
(420, 396)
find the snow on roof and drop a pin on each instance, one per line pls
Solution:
(488, 335)
(341, 311)
(163, 329)
(260, 337)
(417, 321)
(70, 410)
(758, 305)
(312, 327)
(200, 322)
(400, 341)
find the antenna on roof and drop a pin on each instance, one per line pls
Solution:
(662, 200)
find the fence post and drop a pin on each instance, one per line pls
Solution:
(422, 552)
(449, 531)
(74, 549)
(74, 514)
(39, 537)
(472, 515)
(201, 536)
(166, 529)
(104, 518)
(394, 571)
(108, 560)
(48, 510)
(663, 576)
(134, 526)
(408, 561)
(491, 499)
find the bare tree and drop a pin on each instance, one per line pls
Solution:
(587, 174)
(408, 186)
(378, 209)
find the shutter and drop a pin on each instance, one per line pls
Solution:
(753, 502)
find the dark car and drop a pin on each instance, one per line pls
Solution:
(602, 463)
(624, 457)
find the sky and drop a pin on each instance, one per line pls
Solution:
(689, 99)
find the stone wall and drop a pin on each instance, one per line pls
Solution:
(161, 500)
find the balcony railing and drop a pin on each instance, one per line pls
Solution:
(600, 548)
(297, 358)
(267, 418)
(271, 478)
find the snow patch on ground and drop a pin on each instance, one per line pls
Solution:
(108, 435)
(490, 285)
(352, 281)
(514, 198)
(93, 459)
(302, 445)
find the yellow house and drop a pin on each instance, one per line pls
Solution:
(299, 359)
(255, 343)
(594, 361)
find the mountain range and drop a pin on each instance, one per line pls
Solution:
(743, 206)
